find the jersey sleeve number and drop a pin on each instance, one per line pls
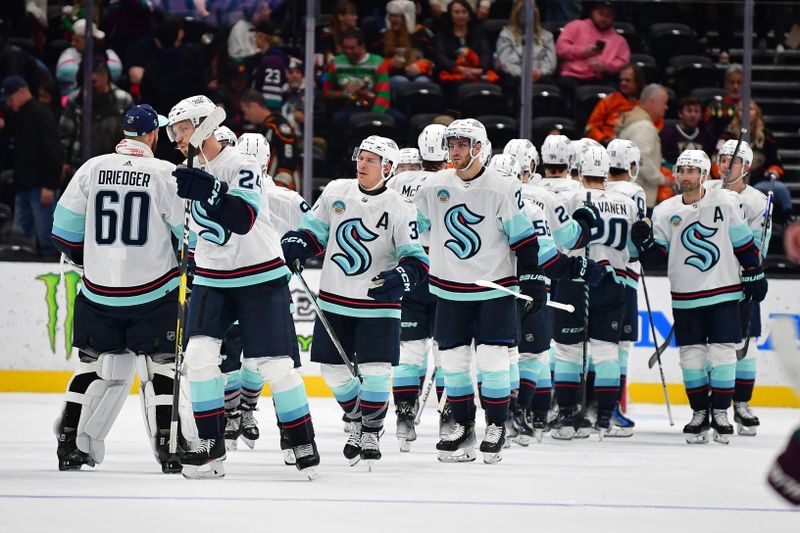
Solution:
(135, 218)
(414, 231)
(518, 195)
(540, 228)
(561, 213)
(246, 179)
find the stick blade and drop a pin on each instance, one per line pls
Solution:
(206, 129)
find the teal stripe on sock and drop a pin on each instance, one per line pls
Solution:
(376, 389)
(722, 376)
(567, 371)
(496, 384)
(693, 378)
(233, 380)
(623, 361)
(207, 395)
(513, 375)
(291, 404)
(405, 375)
(348, 391)
(252, 380)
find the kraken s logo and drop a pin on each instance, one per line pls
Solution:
(465, 242)
(355, 258)
(705, 253)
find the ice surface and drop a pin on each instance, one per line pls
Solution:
(651, 482)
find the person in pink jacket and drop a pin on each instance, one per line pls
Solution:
(590, 50)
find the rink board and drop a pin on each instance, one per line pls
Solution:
(36, 324)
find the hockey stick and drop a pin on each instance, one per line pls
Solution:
(655, 340)
(741, 353)
(203, 131)
(424, 398)
(492, 285)
(660, 348)
(585, 344)
(352, 366)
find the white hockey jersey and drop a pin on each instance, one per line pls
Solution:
(226, 259)
(286, 208)
(363, 234)
(754, 205)
(407, 183)
(565, 231)
(637, 194)
(700, 238)
(123, 209)
(610, 246)
(473, 226)
(559, 185)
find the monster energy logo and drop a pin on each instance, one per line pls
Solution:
(52, 281)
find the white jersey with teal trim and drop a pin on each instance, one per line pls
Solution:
(559, 185)
(123, 209)
(565, 231)
(363, 234)
(547, 246)
(473, 227)
(407, 183)
(224, 258)
(702, 267)
(754, 205)
(635, 193)
(610, 245)
(286, 208)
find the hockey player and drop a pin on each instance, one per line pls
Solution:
(409, 159)
(239, 275)
(116, 220)
(369, 236)
(703, 240)
(225, 136)
(625, 160)
(611, 215)
(557, 159)
(418, 308)
(754, 205)
(526, 155)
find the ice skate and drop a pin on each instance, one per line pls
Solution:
(352, 449)
(621, 425)
(585, 421)
(697, 429)
(459, 445)
(233, 429)
(69, 456)
(250, 431)
(539, 424)
(522, 427)
(510, 431)
(406, 432)
(170, 462)
(493, 443)
(205, 462)
(603, 423)
(563, 428)
(307, 459)
(446, 422)
(746, 422)
(286, 448)
(721, 426)
(347, 424)
(370, 447)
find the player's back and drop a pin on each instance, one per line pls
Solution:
(632, 191)
(286, 208)
(407, 183)
(559, 185)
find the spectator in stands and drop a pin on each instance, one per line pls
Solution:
(509, 49)
(37, 163)
(688, 134)
(590, 50)
(406, 45)
(284, 162)
(109, 104)
(269, 77)
(345, 17)
(481, 8)
(242, 38)
(356, 82)
(463, 53)
(638, 125)
(228, 89)
(719, 113)
(766, 160)
(295, 95)
(600, 125)
(127, 21)
(70, 59)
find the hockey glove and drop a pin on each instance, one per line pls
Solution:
(295, 245)
(588, 271)
(754, 284)
(532, 283)
(642, 235)
(391, 285)
(588, 216)
(197, 184)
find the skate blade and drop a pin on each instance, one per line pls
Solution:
(355, 460)
(463, 455)
(248, 442)
(746, 431)
(492, 458)
(507, 444)
(722, 439)
(539, 434)
(311, 473)
(288, 458)
(231, 444)
(700, 438)
(601, 433)
(583, 433)
(370, 463)
(522, 440)
(405, 445)
(618, 432)
(212, 470)
(567, 433)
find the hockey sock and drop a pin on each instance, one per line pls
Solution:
(374, 401)
(461, 396)
(722, 380)
(544, 388)
(479, 383)
(423, 371)
(623, 372)
(233, 389)
(252, 383)
(495, 392)
(696, 383)
(291, 408)
(348, 395)
(745, 379)
(439, 383)
(208, 405)
(567, 382)
(406, 383)
(606, 384)
(528, 371)
(514, 375)
(590, 377)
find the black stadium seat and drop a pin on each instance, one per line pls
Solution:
(692, 71)
(669, 39)
(708, 94)
(541, 127)
(586, 98)
(500, 129)
(492, 28)
(652, 74)
(418, 97)
(417, 123)
(547, 100)
(628, 31)
(363, 125)
(481, 99)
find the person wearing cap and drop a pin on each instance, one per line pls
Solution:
(295, 95)
(116, 220)
(70, 59)
(37, 162)
(269, 75)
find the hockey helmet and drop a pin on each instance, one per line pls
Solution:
(506, 165)
(431, 143)
(556, 150)
(524, 152)
(195, 109)
(745, 152)
(409, 156)
(623, 154)
(256, 145)
(383, 147)
(225, 136)
(594, 162)
(694, 158)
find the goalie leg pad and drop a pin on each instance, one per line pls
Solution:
(156, 374)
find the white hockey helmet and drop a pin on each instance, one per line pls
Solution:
(579, 148)
(431, 143)
(745, 152)
(524, 152)
(694, 158)
(556, 150)
(409, 156)
(506, 165)
(469, 128)
(256, 145)
(383, 147)
(195, 109)
(594, 162)
(486, 152)
(623, 154)
(225, 136)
